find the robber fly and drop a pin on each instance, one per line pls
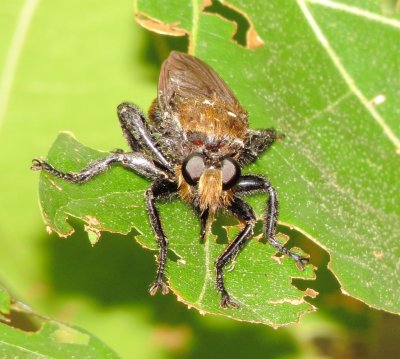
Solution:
(193, 146)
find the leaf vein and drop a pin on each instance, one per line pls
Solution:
(195, 27)
(357, 11)
(14, 53)
(346, 76)
(207, 276)
(25, 349)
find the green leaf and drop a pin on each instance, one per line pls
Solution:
(328, 77)
(4, 302)
(51, 339)
(114, 202)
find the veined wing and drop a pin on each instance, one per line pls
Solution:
(184, 77)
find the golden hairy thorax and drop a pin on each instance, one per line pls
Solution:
(214, 118)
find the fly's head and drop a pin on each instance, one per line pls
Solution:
(206, 177)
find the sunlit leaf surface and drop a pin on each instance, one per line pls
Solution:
(328, 77)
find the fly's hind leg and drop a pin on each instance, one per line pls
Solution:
(245, 214)
(254, 183)
(158, 190)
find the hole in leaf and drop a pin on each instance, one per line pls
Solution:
(224, 224)
(21, 319)
(245, 34)
(339, 307)
(242, 25)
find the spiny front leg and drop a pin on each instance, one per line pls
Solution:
(244, 213)
(137, 162)
(93, 169)
(252, 184)
(159, 189)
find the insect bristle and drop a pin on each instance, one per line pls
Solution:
(211, 195)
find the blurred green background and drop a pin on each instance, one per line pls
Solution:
(76, 62)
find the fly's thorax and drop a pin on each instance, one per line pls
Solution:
(213, 118)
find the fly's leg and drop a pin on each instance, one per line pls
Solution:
(244, 213)
(159, 189)
(140, 135)
(137, 162)
(252, 184)
(204, 224)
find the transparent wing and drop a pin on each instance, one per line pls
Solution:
(183, 77)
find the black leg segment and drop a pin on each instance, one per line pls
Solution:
(159, 189)
(245, 214)
(252, 184)
(137, 162)
(203, 222)
(139, 133)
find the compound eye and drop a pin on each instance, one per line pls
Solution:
(230, 173)
(192, 168)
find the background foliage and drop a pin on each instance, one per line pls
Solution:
(71, 50)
